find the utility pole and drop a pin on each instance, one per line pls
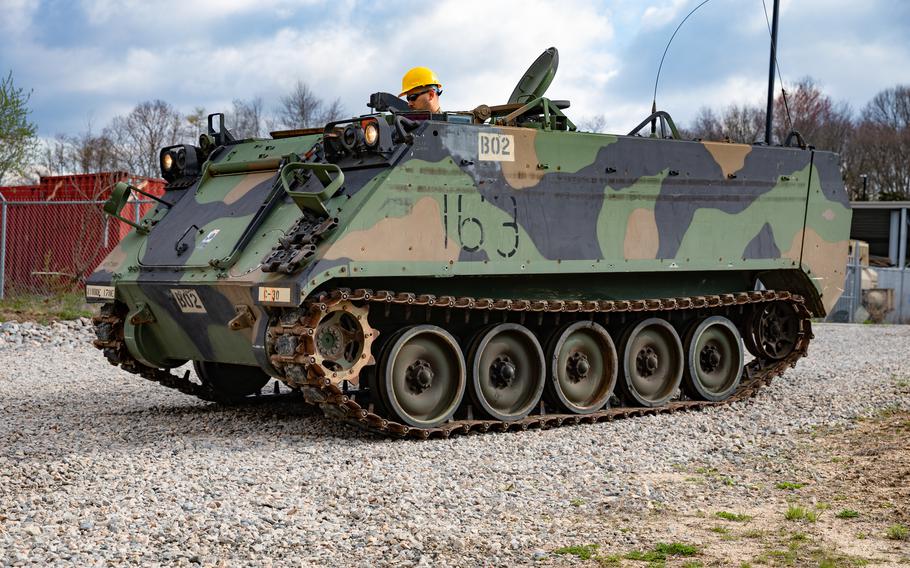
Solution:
(769, 114)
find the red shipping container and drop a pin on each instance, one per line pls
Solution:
(55, 231)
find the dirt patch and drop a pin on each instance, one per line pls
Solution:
(840, 499)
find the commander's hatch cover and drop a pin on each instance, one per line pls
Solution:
(537, 78)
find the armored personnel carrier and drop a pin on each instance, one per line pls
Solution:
(429, 274)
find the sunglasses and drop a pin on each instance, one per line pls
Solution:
(414, 96)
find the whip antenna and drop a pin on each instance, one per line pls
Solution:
(774, 64)
(662, 57)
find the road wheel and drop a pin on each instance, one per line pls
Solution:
(714, 359)
(507, 371)
(652, 357)
(583, 367)
(230, 382)
(422, 376)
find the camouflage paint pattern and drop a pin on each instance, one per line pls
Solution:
(551, 215)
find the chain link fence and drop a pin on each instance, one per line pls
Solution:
(50, 247)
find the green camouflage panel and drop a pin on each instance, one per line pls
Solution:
(491, 211)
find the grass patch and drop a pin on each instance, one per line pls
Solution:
(576, 502)
(662, 551)
(44, 309)
(755, 533)
(790, 485)
(847, 514)
(737, 517)
(801, 551)
(898, 532)
(797, 513)
(720, 530)
(583, 551)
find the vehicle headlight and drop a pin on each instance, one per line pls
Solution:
(167, 162)
(179, 161)
(371, 134)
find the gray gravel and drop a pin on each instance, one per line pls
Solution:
(99, 467)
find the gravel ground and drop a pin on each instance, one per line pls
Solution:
(98, 467)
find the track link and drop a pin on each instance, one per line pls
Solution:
(297, 327)
(301, 370)
(109, 339)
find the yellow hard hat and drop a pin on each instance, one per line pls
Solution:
(418, 77)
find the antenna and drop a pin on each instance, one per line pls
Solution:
(769, 114)
(774, 63)
(659, 67)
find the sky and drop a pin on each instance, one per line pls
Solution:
(90, 60)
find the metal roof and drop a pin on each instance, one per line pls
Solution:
(880, 204)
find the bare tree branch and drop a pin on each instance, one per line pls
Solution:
(302, 108)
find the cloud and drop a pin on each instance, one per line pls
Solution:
(663, 14)
(101, 57)
(17, 17)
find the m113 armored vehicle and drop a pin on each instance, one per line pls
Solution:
(425, 275)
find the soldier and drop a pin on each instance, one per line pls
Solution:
(421, 88)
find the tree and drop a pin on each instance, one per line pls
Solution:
(302, 108)
(138, 136)
(196, 122)
(880, 146)
(822, 122)
(86, 152)
(742, 124)
(596, 123)
(246, 119)
(18, 139)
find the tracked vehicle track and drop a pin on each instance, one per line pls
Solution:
(109, 332)
(295, 330)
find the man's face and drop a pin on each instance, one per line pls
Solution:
(423, 98)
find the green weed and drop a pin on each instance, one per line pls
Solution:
(720, 530)
(662, 551)
(790, 485)
(898, 532)
(737, 517)
(847, 514)
(44, 309)
(584, 551)
(795, 513)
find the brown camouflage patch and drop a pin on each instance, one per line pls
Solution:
(730, 157)
(418, 236)
(523, 172)
(826, 260)
(246, 183)
(642, 236)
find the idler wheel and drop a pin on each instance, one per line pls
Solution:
(714, 359)
(507, 371)
(776, 328)
(421, 377)
(652, 357)
(583, 367)
(231, 382)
